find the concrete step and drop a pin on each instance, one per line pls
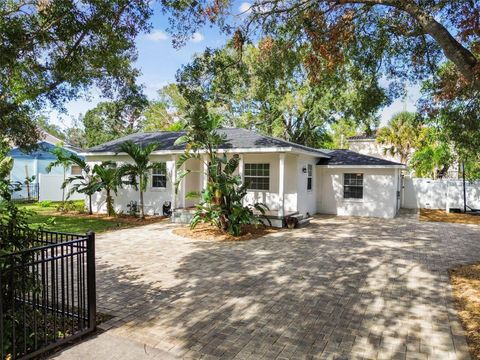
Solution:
(299, 217)
(304, 222)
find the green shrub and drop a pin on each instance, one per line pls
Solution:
(71, 206)
(45, 203)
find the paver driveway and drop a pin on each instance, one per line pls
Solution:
(342, 287)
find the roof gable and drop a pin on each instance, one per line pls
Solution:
(42, 151)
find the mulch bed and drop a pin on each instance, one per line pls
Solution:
(466, 290)
(443, 216)
(208, 232)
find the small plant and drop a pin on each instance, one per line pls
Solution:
(45, 203)
(70, 206)
(132, 208)
(291, 222)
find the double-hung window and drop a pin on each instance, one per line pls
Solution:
(353, 186)
(159, 176)
(309, 176)
(257, 176)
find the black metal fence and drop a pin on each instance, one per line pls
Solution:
(47, 292)
(26, 192)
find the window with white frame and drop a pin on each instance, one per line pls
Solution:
(257, 176)
(353, 186)
(75, 170)
(309, 176)
(159, 176)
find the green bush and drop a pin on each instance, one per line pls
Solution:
(45, 203)
(71, 206)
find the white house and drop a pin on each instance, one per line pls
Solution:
(289, 178)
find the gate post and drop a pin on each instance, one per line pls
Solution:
(91, 281)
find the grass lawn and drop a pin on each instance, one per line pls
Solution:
(76, 222)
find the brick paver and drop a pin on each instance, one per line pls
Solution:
(346, 288)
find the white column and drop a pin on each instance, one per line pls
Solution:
(174, 179)
(281, 184)
(183, 187)
(241, 168)
(205, 171)
(241, 172)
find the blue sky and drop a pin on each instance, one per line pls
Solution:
(159, 61)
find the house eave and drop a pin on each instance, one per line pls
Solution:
(363, 166)
(233, 150)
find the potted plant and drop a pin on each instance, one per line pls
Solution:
(291, 222)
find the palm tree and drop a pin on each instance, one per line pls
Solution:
(86, 183)
(107, 174)
(139, 170)
(401, 135)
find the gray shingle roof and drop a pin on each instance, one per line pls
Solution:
(348, 157)
(363, 137)
(236, 139)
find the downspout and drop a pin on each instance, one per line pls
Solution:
(464, 189)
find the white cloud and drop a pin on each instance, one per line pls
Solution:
(157, 35)
(245, 7)
(197, 37)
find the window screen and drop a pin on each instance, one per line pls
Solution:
(257, 176)
(353, 186)
(159, 176)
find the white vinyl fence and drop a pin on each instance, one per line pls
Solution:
(439, 194)
(50, 188)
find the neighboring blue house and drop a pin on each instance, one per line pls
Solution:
(35, 162)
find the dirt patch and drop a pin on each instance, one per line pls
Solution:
(466, 290)
(208, 232)
(443, 216)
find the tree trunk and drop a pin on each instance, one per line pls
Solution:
(90, 211)
(142, 213)
(463, 59)
(110, 210)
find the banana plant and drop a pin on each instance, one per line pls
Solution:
(221, 203)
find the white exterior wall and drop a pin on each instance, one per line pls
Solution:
(326, 195)
(153, 197)
(271, 197)
(439, 194)
(307, 199)
(379, 192)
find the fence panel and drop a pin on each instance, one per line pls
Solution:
(50, 188)
(439, 194)
(25, 192)
(48, 292)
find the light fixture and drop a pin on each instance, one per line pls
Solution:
(304, 169)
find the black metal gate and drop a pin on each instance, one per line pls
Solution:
(48, 293)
